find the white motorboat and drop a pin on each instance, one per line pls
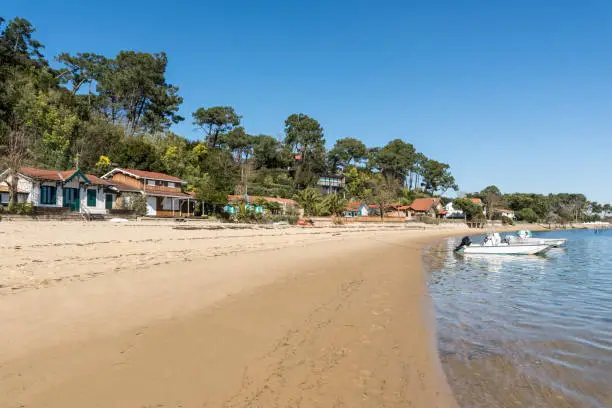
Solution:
(527, 238)
(493, 244)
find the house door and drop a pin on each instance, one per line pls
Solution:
(72, 198)
(109, 202)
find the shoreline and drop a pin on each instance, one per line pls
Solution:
(322, 322)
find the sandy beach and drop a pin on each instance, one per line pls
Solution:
(137, 315)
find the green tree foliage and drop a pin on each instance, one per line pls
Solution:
(472, 211)
(99, 111)
(80, 69)
(345, 152)
(527, 214)
(493, 199)
(437, 177)
(385, 190)
(335, 204)
(18, 48)
(397, 159)
(215, 121)
(359, 183)
(270, 153)
(310, 199)
(304, 136)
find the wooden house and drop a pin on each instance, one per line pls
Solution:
(165, 197)
(431, 207)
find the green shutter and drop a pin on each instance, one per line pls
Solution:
(48, 195)
(91, 198)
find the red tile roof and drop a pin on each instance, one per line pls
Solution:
(168, 194)
(97, 180)
(134, 189)
(476, 200)
(354, 205)
(286, 201)
(423, 204)
(57, 175)
(153, 175)
(124, 187)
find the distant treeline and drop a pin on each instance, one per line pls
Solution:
(552, 208)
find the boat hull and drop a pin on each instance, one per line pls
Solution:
(505, 249)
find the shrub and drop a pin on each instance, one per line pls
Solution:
(290, 219)
(21, 208)
(429, 220)
(527, 214)
(250, 216)
(507, 220)
(338, 220)
(135, 202)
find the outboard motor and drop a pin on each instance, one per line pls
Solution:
(466, 241)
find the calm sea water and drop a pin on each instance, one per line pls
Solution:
(526, 331)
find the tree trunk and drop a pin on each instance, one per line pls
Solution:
(13, 188)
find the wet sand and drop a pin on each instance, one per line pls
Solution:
(99, 315)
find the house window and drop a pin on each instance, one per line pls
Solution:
(151, 182)
(170, 184)
(48, 195)
(91, 198)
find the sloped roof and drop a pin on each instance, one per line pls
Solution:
(97, 180)
(124, 187)
(153, 175)
(503, 210)
(58, 175)
(354, 205)
(423, 204)
(168, 194)
(476, 200)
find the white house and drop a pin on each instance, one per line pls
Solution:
(356, 209)
(71, 189)
(452, 212)
(505, 213)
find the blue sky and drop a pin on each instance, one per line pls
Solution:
(513, 93)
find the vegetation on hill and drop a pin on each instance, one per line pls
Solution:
(96, 112)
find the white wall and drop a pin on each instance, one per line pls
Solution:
(100, 199)
(22, 185)
(35, 193)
